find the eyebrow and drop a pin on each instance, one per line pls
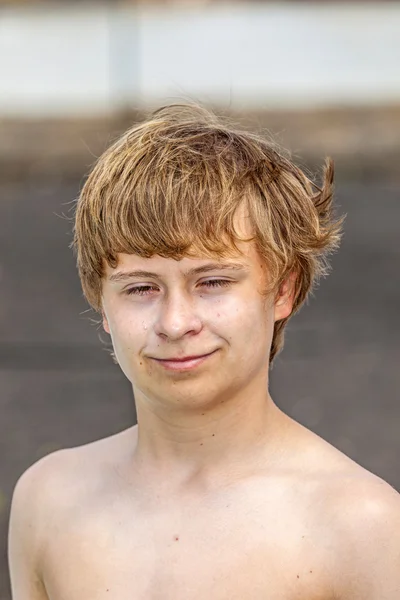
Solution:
(121, 276)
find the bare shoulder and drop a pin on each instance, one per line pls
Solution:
(67, 465)
(361, 503)
(37, 487)
(350, 490)
(45, 501)
(33, 499)
(353, 491)
(365, 513)
(360, 514)
(77, 471)
(54, 485)
(40, 491)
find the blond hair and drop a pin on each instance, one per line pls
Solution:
(171, 186)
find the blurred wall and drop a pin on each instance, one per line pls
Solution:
(324, 77)
(96, 58)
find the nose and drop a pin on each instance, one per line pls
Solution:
(178, 317)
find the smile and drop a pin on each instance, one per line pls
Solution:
(183, 364)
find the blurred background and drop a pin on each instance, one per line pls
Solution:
(323, 77)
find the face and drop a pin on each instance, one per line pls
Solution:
(207, 311)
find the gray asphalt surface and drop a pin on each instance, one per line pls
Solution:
(339, 373)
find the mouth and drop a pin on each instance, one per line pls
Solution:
(183, 364)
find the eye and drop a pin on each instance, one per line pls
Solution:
(145, 290)
(214, 283)
(140, 290)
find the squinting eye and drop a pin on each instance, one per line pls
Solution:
(145, 290)
(141, 290)
(212, 283)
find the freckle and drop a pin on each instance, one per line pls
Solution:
(202, 414)
(141, 363)
(310, 571)
(201, 443)
(298, 576)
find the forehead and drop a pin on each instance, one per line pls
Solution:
(246, 254)
(247, 259)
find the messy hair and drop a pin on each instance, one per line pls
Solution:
(171, 185)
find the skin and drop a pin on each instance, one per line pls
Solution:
(216, 493)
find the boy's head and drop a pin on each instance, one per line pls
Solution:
(177, 185)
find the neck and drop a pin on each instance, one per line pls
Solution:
(213, 442)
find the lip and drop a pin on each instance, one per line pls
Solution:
(183, 364)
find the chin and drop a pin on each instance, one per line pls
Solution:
(174, 394)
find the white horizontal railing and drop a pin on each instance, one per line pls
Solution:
(93, 59)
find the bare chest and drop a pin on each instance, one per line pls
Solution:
(222, 552)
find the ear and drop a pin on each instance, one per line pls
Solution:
(106, 326)
(285, 297)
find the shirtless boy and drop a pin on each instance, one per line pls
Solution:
(196, 242)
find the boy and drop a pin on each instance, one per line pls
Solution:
(196, 243)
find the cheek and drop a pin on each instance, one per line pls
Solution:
(127, 333)
(248, 317)
(128, 339)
